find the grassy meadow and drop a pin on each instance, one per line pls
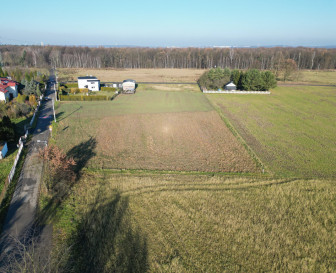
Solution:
(292, 130)
(132, 209)
(184, 223)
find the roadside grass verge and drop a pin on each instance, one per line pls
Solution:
(173, 223)
(5, 202)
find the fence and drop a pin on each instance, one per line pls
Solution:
(236, 92)
(12, 172)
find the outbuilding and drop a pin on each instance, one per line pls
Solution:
(3, 149)
(230, 86)
(89, 82)
(129, 86)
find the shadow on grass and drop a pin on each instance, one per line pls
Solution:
(62, 189)
(60, 116)
(82, 153)
(105, 241)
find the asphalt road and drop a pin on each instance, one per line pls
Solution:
(19, 224)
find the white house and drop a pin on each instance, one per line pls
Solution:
(3, 149)
(90, 82)
(230, 86)
(10, 86)
(128, 86)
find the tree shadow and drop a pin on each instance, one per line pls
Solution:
(105, 240)
(62, 189)
(82, 153)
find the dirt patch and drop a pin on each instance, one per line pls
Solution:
(197, 141)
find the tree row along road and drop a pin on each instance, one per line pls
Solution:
(20, 220)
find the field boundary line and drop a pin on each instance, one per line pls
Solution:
(163, 172)
(240, 139)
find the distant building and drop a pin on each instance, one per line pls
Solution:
(89, 82)
(3, 149)
(230, 86)
(128, 86)
(8, 86)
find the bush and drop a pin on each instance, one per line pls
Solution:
(84, 98)
(109, 89)
(72, 85)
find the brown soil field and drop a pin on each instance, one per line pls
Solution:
(140, 75)
(197, 141)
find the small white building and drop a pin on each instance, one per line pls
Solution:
(3, 149)
(128, 86)
(230, 86)
(89, 82)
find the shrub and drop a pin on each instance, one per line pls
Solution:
(109, 89)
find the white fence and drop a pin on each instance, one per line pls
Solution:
(12, 172)
(236, 92)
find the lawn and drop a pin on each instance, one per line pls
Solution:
(187, 223)
(140, 75)
(6, 165)
(162, 127)
(292, 130)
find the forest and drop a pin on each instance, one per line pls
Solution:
(136, 57)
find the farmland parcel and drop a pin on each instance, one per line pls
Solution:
(171, 128)
(293, 130)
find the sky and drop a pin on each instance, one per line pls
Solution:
(180, 23)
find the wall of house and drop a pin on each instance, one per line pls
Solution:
(13, 90)
(4, 96)
(82, 83)
(94, 86)
(128, 86)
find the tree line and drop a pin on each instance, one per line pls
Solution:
(250, 80)
(198, 58)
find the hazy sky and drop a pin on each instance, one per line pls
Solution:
(169, 23)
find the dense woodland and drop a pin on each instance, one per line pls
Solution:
(234, 58)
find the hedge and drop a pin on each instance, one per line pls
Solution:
(84, 98)
(108, 89)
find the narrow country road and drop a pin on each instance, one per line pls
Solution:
(19, 223)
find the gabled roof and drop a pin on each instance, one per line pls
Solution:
(3, 88)
(8, 82)
(87, 78)
(129, 80)
(230, 84)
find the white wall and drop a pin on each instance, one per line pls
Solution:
(94, 86)
(4, 96)
(82, 83)
(128, 86)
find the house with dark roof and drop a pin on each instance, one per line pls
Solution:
(89, 82)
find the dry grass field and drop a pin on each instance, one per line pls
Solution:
(169, 127)
(191, 141)
(140, 75)
(188, 223)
